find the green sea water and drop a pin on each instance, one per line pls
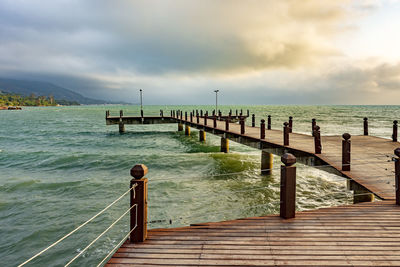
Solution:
(61, 165)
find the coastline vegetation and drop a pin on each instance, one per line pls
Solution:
(9, 100)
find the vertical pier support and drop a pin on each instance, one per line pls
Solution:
(180, 127)
(394, 135)
(285, 134)
(317, 140)
(202, 135)
(267, 160)
(397, 174)
(227, 124)
(365, 126)
(121, 127)
(269, 122)
(346, 150)
(360, 194)
(242, 126)
(290, 124)
(138, 197)
(187, 130)
(224, 145)
(288, 186)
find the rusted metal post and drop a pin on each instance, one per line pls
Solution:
(394, 135)
(317, 140)
(269, 122)
(290, 124)
(397, 174)
(346, 152)
(286, 134)
(365, 126)
(215, 122)
(227, 124)
(262, 129)
(242, 126)
(313, 124)
(253, 120)
(138, 196)
(288, 186)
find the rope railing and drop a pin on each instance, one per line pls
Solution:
(77, 228)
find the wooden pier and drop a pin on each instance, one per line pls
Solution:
(363, 234)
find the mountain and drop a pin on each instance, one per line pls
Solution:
(27, 88)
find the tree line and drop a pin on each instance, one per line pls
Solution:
(8, 99)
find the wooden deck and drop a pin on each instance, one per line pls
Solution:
(366, 234)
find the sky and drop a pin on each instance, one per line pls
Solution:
(179, 51)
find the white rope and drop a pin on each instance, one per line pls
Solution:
(97, 238)
(117, 246)
(76, 229)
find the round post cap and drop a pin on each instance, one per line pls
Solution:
(290, 117)
(313, 119)
(285, 123)
(288, 159)
(397, 151)
(269, 116)
(346, 136)
(365, 118)
(138, 171)
(394, 122)
(262, 121)
(317, 128)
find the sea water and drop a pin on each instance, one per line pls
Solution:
(61, 165)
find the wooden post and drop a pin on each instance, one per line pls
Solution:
(242, 126)
(397, 174)
(215, 122)
(262, 129)
(107, 113)
(236, 113)
(191, 117)
(121, 113)
(121, 127)
(141, 113)
(181, 115)
(138, 196)
(205, 119)
(394, 135)
(180, 127)
(253, 120)
(267, 160)
(201, 113)
(286, 134)
(269, 122)
(365, 126)
(171, 114)
(197, 118)
(227, 124)
(248, 113)
(187, 130)
(161, 113)
(313, 124)
(241, 112)
(288, 186)
(202, 135)
(346, 152)
(317, 140)
(224, 145)
(290, 124)
(186, 116)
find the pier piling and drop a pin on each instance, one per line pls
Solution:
(224, 145)
(180, 127)
(187, 130)
(138, 197)
(242, 126)
(288, 186)
(267, 160)
(365, 126)
(346, 150)
(202, 135)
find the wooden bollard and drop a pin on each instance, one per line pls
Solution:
(262, 129)
(191, 117)
(161, 113)
(269, 122)
(138, 196)
(213, 113)
(205, 118)
(215, 122)
(141, 113)
(201, 113)
(121, 113)
(227, 124)
(317, 140)
(186, 116)
(242, 126)
(365, 126)
(394, 135)
(248, 113)
(253, 120)
(290, 124)
(397, 174)
(197, 118)
(286, 134)
(346, 152)
(241, 112)
(171, 114)
(219, 114)
(236, 113)
(313, 124)
(288, 186)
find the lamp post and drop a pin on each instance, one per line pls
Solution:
(216, 101)
(141, 102)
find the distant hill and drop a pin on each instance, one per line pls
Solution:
(26, 88)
